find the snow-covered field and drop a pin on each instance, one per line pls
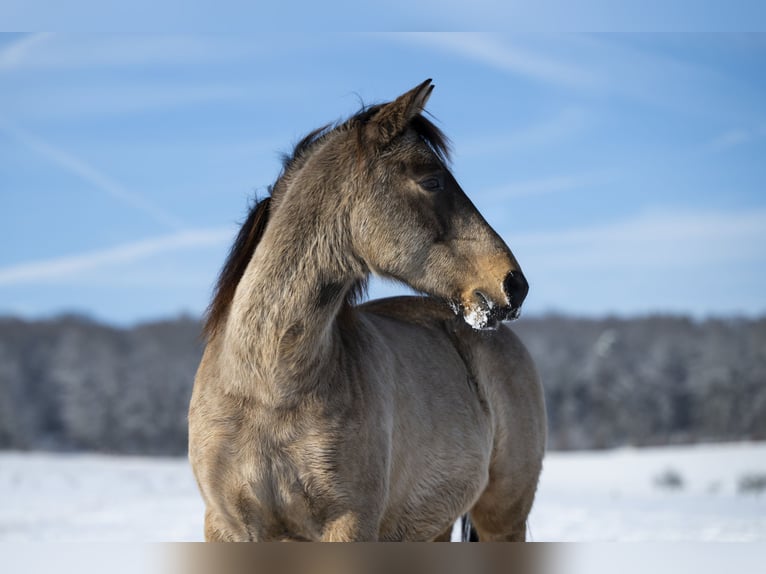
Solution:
(679, 493)
(687, 493)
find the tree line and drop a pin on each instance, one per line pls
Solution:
(72, 384)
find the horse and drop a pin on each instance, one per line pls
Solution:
(316, 418)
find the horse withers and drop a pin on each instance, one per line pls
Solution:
(313, 418)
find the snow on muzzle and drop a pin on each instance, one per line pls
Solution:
(481, 312)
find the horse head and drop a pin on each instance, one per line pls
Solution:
(412, 222)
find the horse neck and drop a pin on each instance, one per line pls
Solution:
(281, 332)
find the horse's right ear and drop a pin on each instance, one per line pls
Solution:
(394, 117)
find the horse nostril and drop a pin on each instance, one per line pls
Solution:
(516, 288)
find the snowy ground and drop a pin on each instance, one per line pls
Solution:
(615, 495)
(592, 496)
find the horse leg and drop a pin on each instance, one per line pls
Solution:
(213, 532)
(497, 519)
(351, 527)
(516, 533)
(445, 536)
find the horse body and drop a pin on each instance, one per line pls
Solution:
(314, 419)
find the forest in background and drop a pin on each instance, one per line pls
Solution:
(72, 384)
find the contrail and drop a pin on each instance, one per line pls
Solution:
(89, 174)
(13, 54)
(46, 270)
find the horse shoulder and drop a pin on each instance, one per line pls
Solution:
(514, 390)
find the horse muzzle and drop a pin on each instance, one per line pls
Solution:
(516, 288)
(482, 312)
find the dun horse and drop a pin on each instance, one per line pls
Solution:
(316, 419)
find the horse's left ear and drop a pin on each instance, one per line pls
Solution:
(394, 117)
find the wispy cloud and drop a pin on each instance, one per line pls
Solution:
(492, 51)
(551, 130)
(676, 261)
(45, 52)
(92, 176)
(64, 267)
(668, 239)
(98, 51)
(545, 185)
(688, 85)
(118, 99)
(736, 137)
(14, 55)
(599, 65)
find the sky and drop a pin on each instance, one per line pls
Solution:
(625, 171)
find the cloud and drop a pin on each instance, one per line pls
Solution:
(543, 186)
(98, 51)
(545, 133)
(490, 50)
(41, 53)
(731, 138)
(15, 54)
(671, 261)
(117, 99)
(652, 241)
(736, 137)
(49, 270)
(600, 65)
(92, 176)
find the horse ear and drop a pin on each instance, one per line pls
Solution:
(394, 117)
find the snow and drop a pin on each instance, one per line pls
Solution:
(54, 497)
(477, 316)
(615, 495)
(583, 496)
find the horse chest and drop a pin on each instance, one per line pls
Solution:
(288, 482)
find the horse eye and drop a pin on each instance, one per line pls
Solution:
(431, 184)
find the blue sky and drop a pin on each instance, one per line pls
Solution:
(625, 171)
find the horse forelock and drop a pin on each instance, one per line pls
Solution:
(432, 136)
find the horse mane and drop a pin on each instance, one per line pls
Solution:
(236, 262)
(252, 229)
